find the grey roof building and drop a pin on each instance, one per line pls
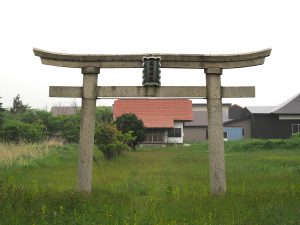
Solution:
(268, 121)
(290, 107)
(64, 110)
(260, 109)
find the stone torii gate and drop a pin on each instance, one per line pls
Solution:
(213, 66)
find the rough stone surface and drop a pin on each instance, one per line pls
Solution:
(150, 92)
(238, 92)
(65, 91)
(87, 129)
(195, 61)
(215, 134)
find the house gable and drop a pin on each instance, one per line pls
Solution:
(290, 107)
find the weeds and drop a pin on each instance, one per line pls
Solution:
(161, 186)
(21, 154)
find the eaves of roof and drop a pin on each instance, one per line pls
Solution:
(289, 107)
(236, 120)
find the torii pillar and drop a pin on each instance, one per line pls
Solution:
(213, 92)
(215, 130)
(87, 128)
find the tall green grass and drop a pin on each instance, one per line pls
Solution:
(154, 186)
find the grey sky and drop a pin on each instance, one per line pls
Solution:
(104, 27)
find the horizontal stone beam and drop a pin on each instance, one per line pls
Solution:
(151, 92)
(65, 92)
(188, 61)
(238, 92)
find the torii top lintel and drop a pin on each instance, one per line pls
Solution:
(188, 61)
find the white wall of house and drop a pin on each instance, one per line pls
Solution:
(203, 107)
(166, 136)
(177, 139)
(196, 107)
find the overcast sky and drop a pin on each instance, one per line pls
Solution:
(160, 26)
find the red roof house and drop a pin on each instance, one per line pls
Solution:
(163, 118)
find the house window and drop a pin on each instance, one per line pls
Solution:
(295, 128)
(225, 135)
(174, 132)
(154, 135)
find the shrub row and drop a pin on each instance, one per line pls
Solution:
(38, 125)
(263, 144)
(34, 125)
(17, 131)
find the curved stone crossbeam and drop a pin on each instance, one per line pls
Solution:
(188, 61)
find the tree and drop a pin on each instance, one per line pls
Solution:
(18, 106)
(1, 108)
(2, 114)
(130, 122)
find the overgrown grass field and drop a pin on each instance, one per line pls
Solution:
(150, 186)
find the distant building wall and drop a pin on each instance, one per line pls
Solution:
(245, 124)
(234, 133)
(64, 110)
(194, 134)
(269, 126)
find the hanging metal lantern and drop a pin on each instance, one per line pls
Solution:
(151, 71)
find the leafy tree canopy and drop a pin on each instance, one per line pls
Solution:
(131, 123)
(18, 106)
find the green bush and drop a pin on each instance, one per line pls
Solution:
(296, 136)
(66, 127)
(111, 141)
(17, 131)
